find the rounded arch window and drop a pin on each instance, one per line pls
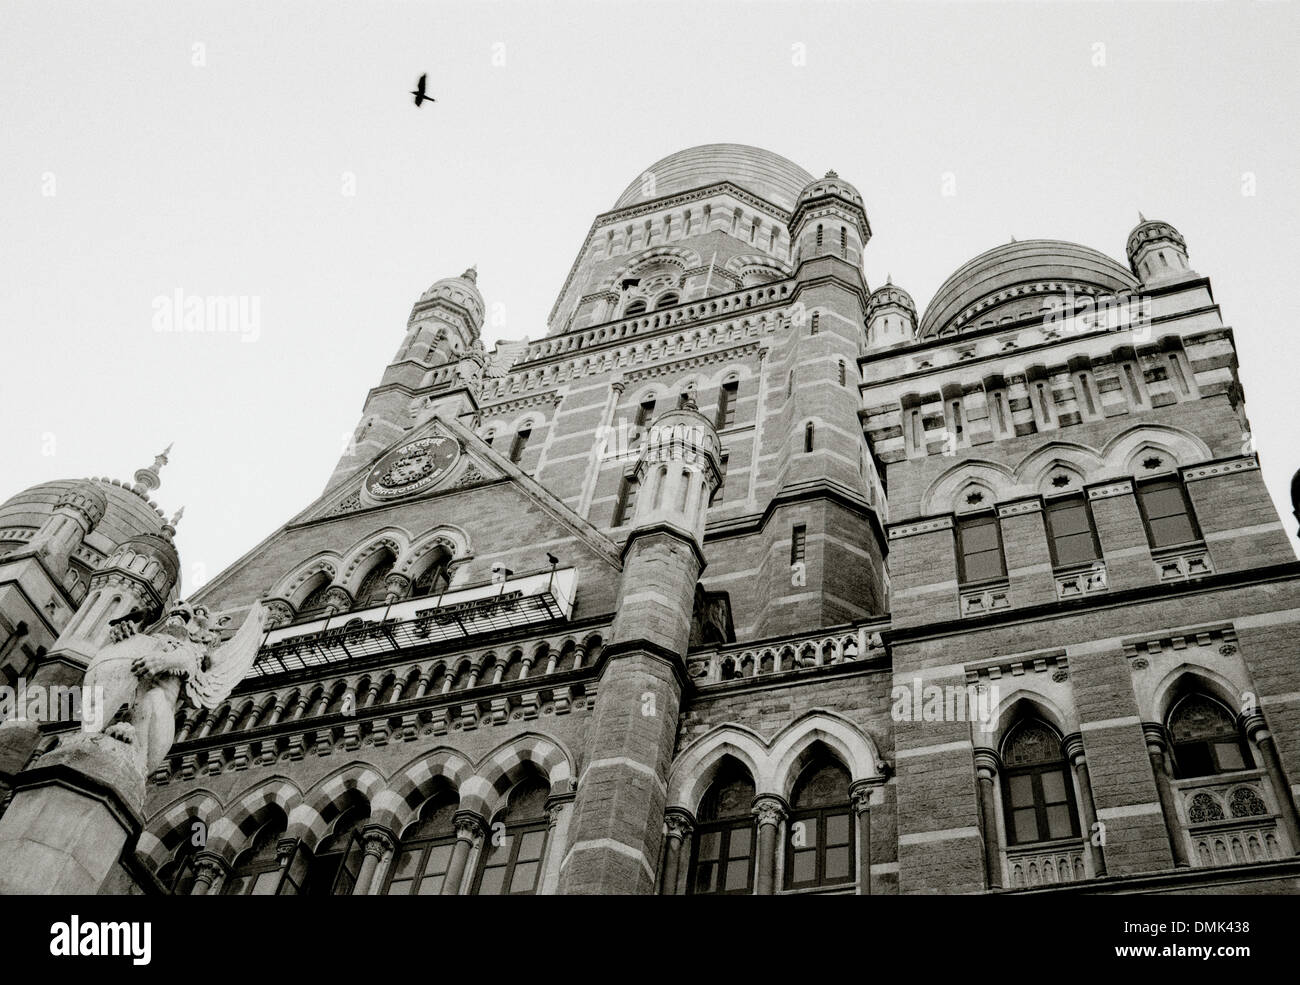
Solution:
(1205, 738)
(636, 307)
(178, 873)
(723, 860)
(315, 599)
(667, 299)
(516, 843)
(1037, 792)
(820, 849)
(433, 580)
(372, 589)
(256, 871)
(337, 860)
(420, 864)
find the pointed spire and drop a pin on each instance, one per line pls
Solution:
(471, 274)
(1013, 239)
(889, 280)
(1141, 217)
(169, 528)
(146, 479)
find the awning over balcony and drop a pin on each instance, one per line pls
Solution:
(410, 623)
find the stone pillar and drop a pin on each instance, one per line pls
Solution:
(680, 825)
(1072, 746)
(209, 868)
(986, 770)
(376, 840)
(770, 811)
(559, 810)
(70, 817)
(1257, 729)
(860, 797)
(468, 828)
(1154, 733)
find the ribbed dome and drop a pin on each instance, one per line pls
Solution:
(462, 291)
(891, 293)
(832, 184)
(767, 175)
(126, 513)
(994, 277)
(1152, 230)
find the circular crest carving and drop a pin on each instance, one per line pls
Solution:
(412, 468)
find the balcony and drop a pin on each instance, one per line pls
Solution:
(1046, 864)
(1230, 819)
(411, 623)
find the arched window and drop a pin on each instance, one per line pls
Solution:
(1206, 740)
(178, 873)
(844, 243)
(723, 860)
(820, 851)
(257, 869)
(520, 443)
(815, 325)
(337, 860)
(419, 866)
(666, 300)
(1037, 793)
(635, 307)
(315, 599)
(512, 862)
(819, 240)
(373, 591)
(808, 431)
(433, 580)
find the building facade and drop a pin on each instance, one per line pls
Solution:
(745, 578)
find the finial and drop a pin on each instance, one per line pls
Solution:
(176, 517)
(1141, 217)
(1013, 239)
(889, 280)
(146, 479)
(831, 174)
(471, 274)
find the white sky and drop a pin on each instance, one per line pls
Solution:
(227, 179)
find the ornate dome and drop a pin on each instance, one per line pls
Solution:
(461, 291)
(151, 555)
(891, 293)
(832, 184)
(1152, 230)
(125, 513)
(767, 175)
(1004, 273)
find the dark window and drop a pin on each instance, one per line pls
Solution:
(1206, 740)
(722, 483)
(337, 861)
(626, 501)
(843, 377)
(798, 543)
(433, 580)
(373, 591)
(636, 307)
(724, 842)
(727, 404)
(645, 412)
(820, 852)
(1167, 513)
(519, 444)
(512, 862)
(666, 300)
(844, 243)
(979, 546)
(487, 438)
(1070, 532)
(315, 599)
(816, 324)
(1037, 792)
(178, 874)
(819, 240)
(808, 436)
(257, 870)
(419, 865)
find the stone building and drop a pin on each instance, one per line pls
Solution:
(744, 578)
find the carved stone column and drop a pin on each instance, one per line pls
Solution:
(860, 797)
(986, 772)
(376, 840)
(1257, 729)
(680, 825)
(559, 811)
(469, 826)
(770, 811)
(1072, 746)
(337, 599)
(1157, 744)
(208, 868)
(398, 587)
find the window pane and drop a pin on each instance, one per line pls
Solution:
(737, 874)
(837, 864)
(404, 865)
(710, 842)
(980, 536)
(525, 877)
(431, 885)
(837, 829)
(738, 846)
(1058, 822)
(1171, 530)
(982, 566)
(1026, 824)
(1075, 549)
(803, 832)
(266, 882)
(1022, 790)
(1193, 759)
(1229, 756)
(530, 845)
(500, 853)
(493, 880)
(439, 859)
(1161, 501)
(1069, 519)
(238, 885)
(706, 878)
(399, 887)
(805, 867)
(1053, 787)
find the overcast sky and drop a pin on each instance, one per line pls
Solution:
(271, 151)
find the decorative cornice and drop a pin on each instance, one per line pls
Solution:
(1032, 505)
(1017, 665)
(1246, 463)
(897, 531)
(1179, 639)
(1124, 487)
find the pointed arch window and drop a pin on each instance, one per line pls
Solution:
(373, 591)
(257, 869)
(520, 443)
(315, 599)
(337, 861)
(420, 864)
(512, 863)
(723, 859)
(178, 874)
(433, 580)
(1205, 739)
(1037, 791)
(820, 849)
(727, 404)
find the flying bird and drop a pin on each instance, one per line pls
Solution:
(419, 93)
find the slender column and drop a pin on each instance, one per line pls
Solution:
(1154, 733)
(680, 825)
(376, 840)
(986, 770)
(422, 685)
(1257, 729)
(1072, 746)
(559, 810)
(770, 811)
(208, 868)
(468, 827)
(860, 797)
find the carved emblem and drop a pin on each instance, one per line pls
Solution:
(415, 466)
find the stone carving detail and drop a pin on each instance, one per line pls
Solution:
(1204, 808)
(471, 476)
(349, 504)
(1245, 802)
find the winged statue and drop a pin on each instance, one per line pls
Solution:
(135, 684)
